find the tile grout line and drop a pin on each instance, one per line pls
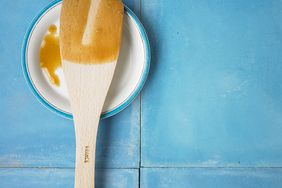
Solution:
(156, 167)
(219, 167)
(140, 118)
(63, 168)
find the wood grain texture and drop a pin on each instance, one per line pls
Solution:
(89, 49)
(87, 86)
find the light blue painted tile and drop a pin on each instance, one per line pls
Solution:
(33, 136)
(64, 178)
(211, 178)
(214, 95)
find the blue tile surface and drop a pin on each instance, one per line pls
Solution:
(211, 178)
(32, 136)
(213, 99)
(64, 178)
(214, 95)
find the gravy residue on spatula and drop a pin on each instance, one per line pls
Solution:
(93, 33)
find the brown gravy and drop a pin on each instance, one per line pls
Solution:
(105, 36)
(50, 58)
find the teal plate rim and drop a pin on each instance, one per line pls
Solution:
(104, 115)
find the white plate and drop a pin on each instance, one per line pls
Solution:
(130, 75)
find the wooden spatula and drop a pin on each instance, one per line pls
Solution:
(90, 37)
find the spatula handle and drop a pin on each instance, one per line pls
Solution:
(85, 155)
(88, 86)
